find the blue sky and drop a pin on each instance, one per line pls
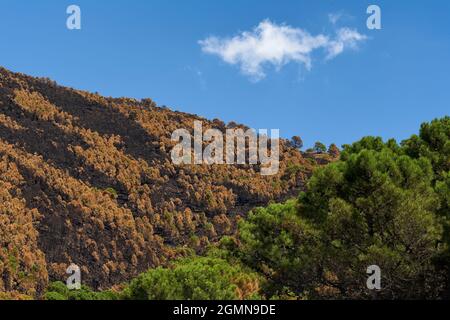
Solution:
(385, 85)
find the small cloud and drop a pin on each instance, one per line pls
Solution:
(277, 45)
(346, 38)
(335, 17)
(339, 17)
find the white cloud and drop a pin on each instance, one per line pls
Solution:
(335, 17)
(277, 45)
(345, 38)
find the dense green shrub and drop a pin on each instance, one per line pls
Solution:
(59, 291)
(198, 278)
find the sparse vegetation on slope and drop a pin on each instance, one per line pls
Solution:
(89, 180)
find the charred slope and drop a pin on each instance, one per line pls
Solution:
(88, 180)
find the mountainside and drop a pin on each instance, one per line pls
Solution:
(89, 180)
